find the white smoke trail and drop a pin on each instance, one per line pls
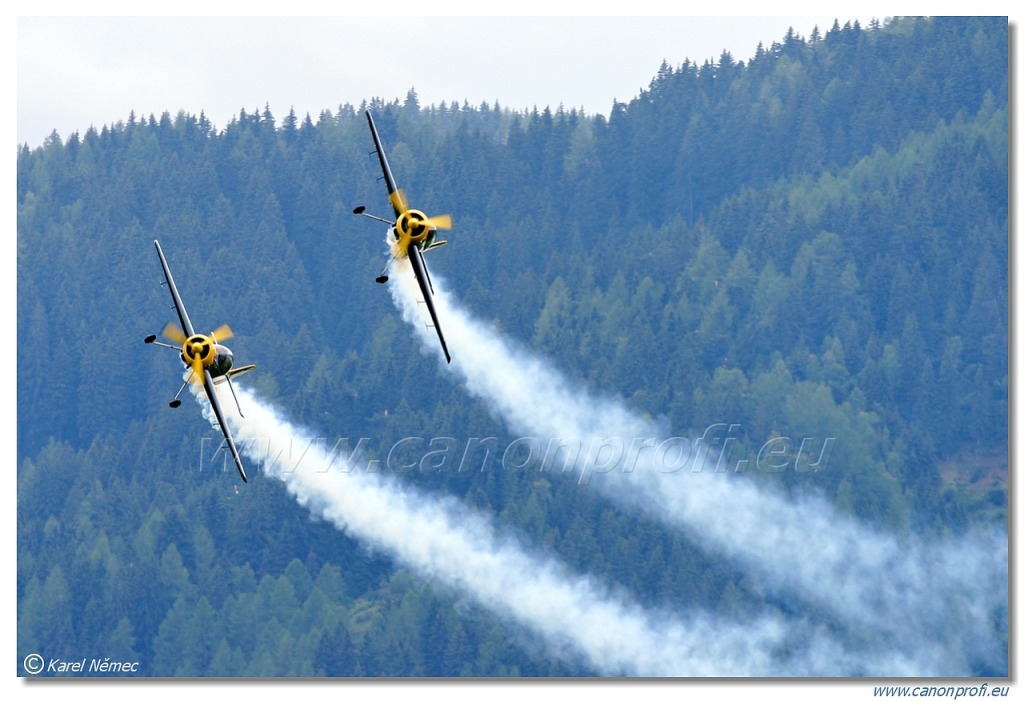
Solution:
(444, 540)
(942, 606)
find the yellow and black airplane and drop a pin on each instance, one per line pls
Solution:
(414, 234)
(209, 361)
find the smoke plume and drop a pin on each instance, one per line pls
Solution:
(444, 541)
(917, 607)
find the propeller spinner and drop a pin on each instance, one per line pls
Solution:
(412, 225)
(198, 351)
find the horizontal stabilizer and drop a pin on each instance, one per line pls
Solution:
(235, 372)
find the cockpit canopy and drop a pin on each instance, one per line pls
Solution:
(222, 361)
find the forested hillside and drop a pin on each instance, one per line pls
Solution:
(811, 243)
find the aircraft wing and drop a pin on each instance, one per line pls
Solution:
(208, 386)
(419, 268)
(186, 324)
(388, 177)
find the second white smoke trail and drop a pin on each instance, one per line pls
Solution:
(940, 605)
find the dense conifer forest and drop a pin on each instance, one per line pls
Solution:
(813, 242)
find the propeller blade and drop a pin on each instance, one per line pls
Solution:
(173, 333)
(441, 221)
(398, 201)
(222, 333)
(197, 370)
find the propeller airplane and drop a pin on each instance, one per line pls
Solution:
(209, 362)
(414, 234)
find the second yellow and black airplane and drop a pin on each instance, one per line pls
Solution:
(414, 234)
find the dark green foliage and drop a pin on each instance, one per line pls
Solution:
(812, 244)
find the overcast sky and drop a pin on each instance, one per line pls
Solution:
(77, 72)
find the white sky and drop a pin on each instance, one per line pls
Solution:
(77, 72)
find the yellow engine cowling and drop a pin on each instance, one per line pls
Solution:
(413, 226)
(199, 352)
